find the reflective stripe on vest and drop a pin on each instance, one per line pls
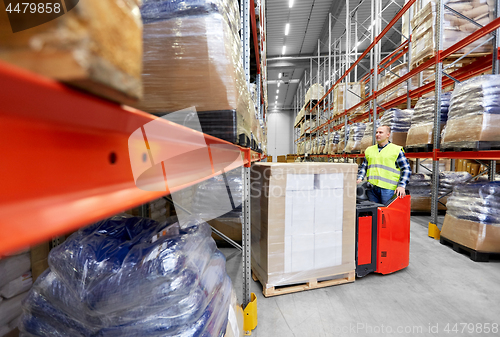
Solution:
(382, 170)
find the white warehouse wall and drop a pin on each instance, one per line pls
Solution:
(279, 133)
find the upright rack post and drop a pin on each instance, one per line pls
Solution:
(434, 231)
(245, 37)
(495, 70)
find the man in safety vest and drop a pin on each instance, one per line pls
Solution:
(388, 169)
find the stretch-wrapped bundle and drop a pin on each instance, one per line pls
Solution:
(131, 277)
(474, 114)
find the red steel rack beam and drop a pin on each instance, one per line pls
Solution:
(253, 22)
(66, 158)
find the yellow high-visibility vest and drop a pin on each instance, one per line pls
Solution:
(382, 170)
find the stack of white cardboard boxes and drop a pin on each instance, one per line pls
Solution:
(313, 221)
(303, 221)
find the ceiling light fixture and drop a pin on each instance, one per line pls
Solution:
(276, 97)
(279, 84)
(283, 51)
(290, 4)
(278, 91)
(279, 75)
(287, 29)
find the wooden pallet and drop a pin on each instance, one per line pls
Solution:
(452, 58)
(419, 148)
(470, 146)
(474, 254)
(311, 284)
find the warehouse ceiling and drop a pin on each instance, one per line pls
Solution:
(308, 23)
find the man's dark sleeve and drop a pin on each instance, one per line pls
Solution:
(404, 165)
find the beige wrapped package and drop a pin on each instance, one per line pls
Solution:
(477, 236)
(96, 46)
(315, 92)
(303, 222)
(474, 113)
(356, 95)
(195, 60)
(356, 134)
(455, 28)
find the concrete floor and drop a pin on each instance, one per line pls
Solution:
(440, 289)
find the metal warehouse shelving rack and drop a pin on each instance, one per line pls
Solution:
(66, 156)
(345, 69)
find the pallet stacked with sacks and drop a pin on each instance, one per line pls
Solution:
(161, 58)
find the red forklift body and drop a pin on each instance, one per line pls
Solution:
(393, 244)
(383, 236)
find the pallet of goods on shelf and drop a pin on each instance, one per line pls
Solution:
(420, 191)
(96, 46)
(356, 134)
(473, 118)
(473, 218)
(421, 133)
(192, 58)
(399, 121)
(390, 76)
(366, 141)
(334, 139)
(294, 240)
(313, 94)
(124, 275)
(355, 94)
(455, 28)
(344, 130)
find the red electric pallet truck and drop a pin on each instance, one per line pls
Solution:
(382, 234)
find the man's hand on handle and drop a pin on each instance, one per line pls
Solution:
(359, 181)
(401, 192)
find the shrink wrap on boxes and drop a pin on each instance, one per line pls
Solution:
(355, 94)
(96, 46)
(315, 92)
(356, 134)
(132, 277)
(474, 114)
(192, 58)
(368, 135)
(455, 28)
(422, 121)
(303, 221)
(473, 216)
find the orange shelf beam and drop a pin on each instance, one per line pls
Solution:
(66, 158)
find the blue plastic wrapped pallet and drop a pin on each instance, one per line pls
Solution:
(473, 217)
(132, 277)
(192, 57)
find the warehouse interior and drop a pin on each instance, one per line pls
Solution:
(224, 168)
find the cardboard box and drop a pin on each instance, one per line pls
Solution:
(474, 168)
(303, 221)
(399, 138)
(96, 47)
(231, 227)
(38, 268)
(269, 159)
(281, 159)
(477, 236)
(423, 204)
(458, 164)
(468, 167)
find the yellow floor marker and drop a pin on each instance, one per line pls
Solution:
(250, 315)
(434, 231)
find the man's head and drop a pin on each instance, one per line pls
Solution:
(383, 133)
